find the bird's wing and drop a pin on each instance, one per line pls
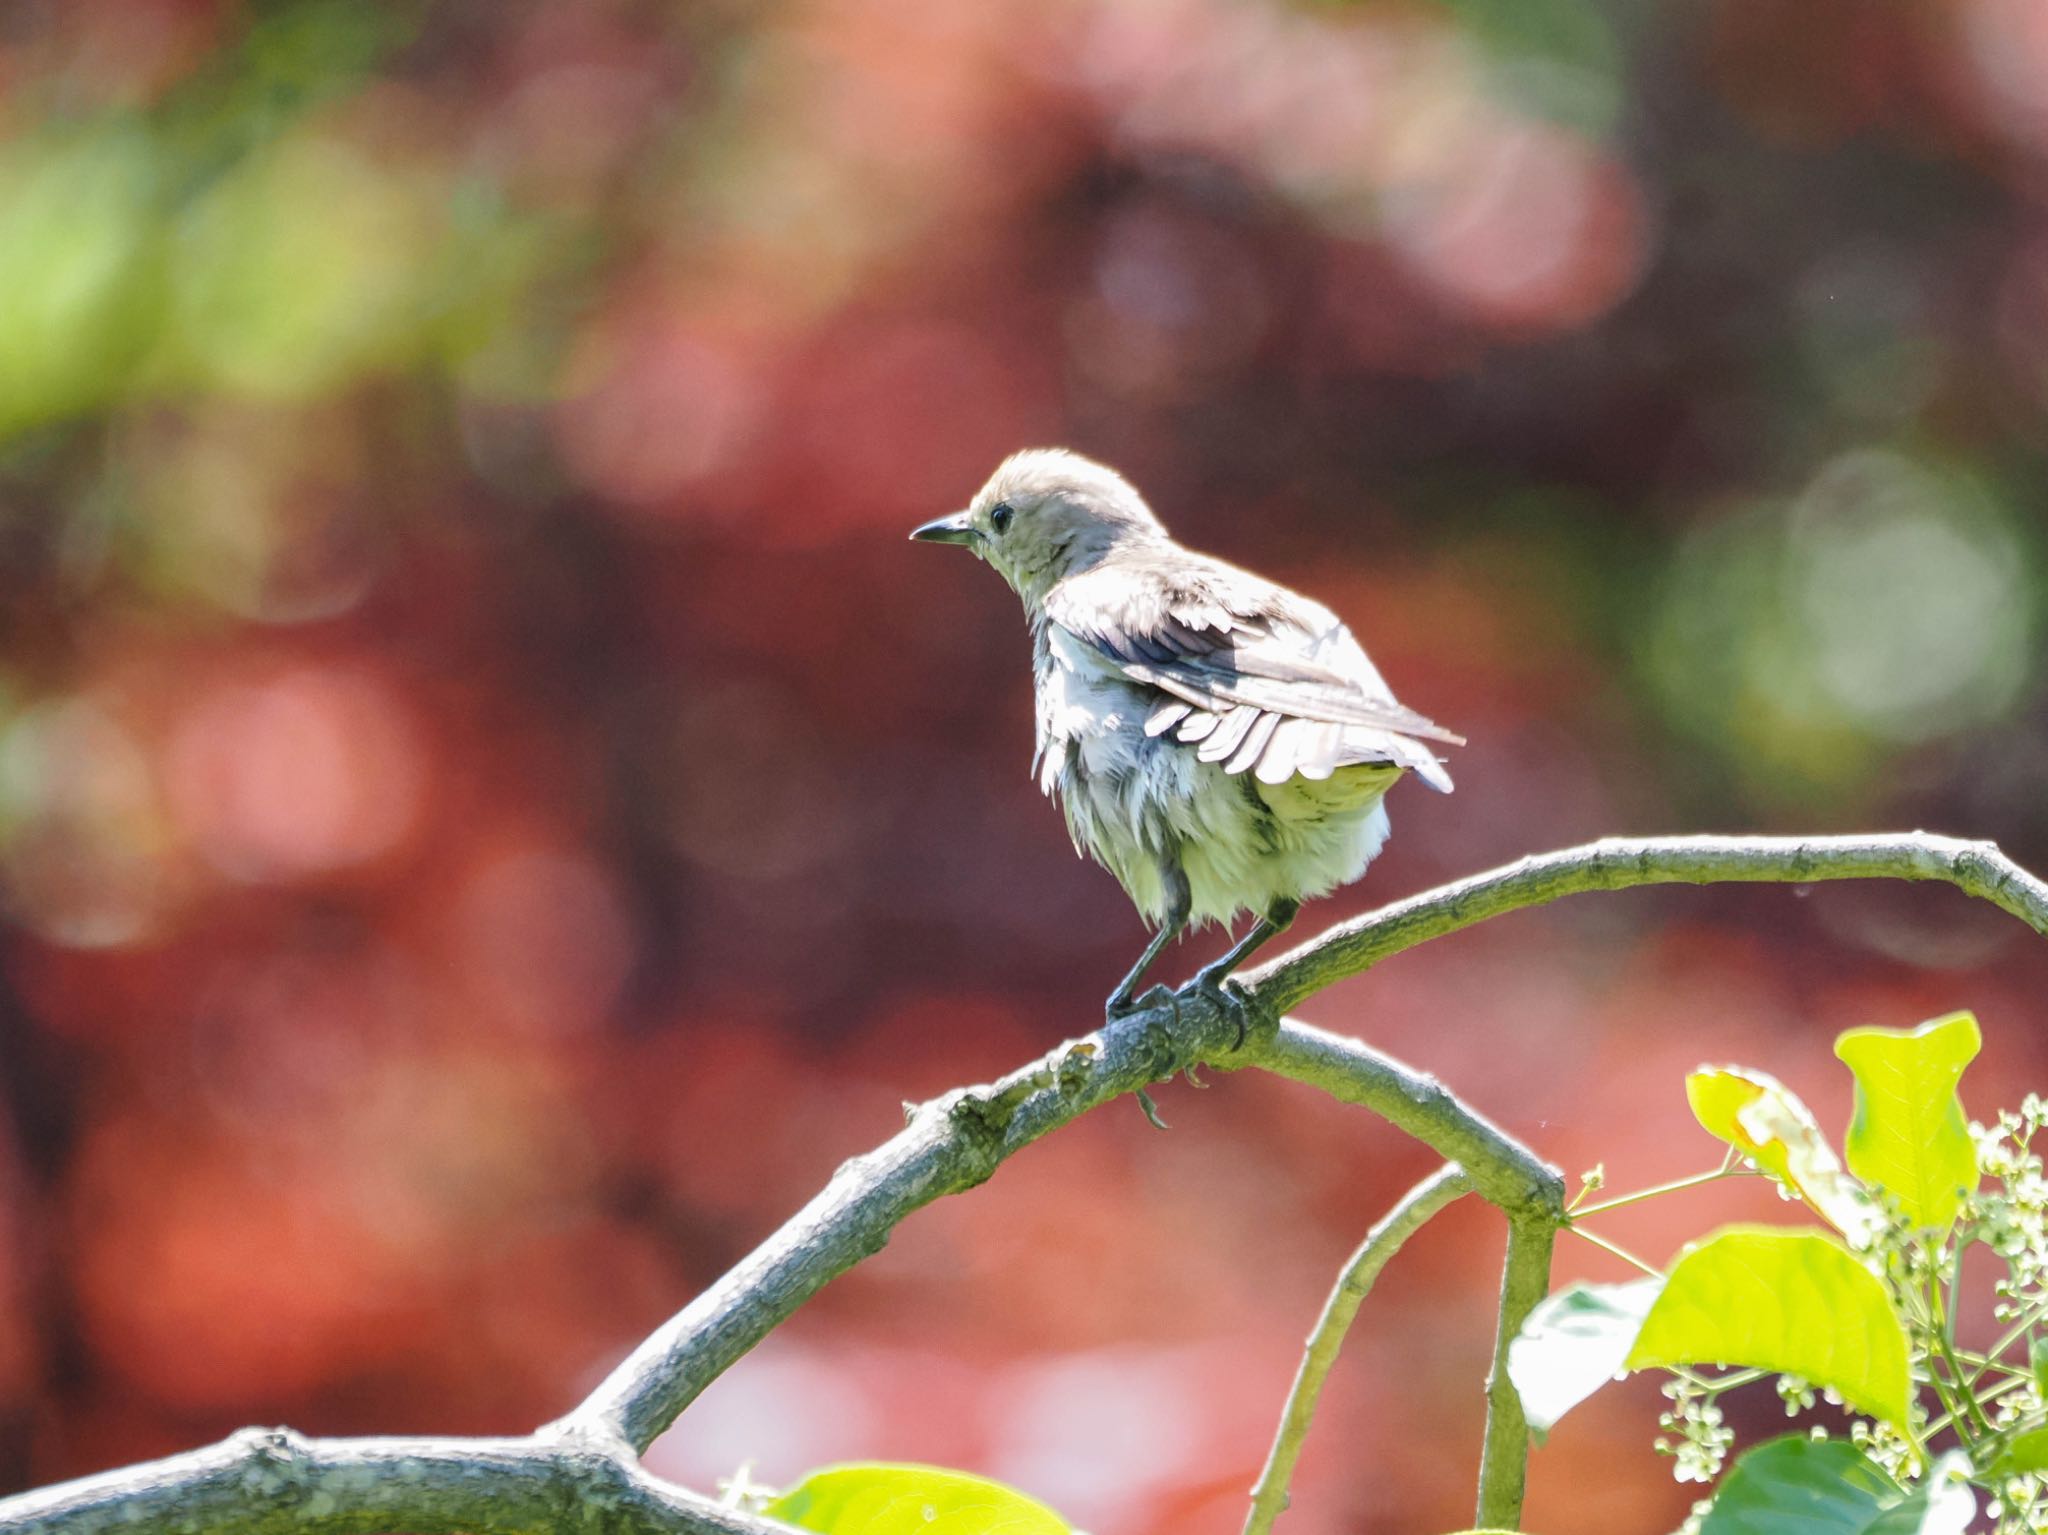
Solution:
(1259, 676)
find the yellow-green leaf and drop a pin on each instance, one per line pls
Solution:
(1909, 1135)
(880, 1499)
(1764, 1120)
(1797, 1302)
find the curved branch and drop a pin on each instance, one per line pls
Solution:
(1269, 1497)
(1622, 863)
(1501, 1168)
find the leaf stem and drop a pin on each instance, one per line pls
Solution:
(1988, 1394)
(1673, 1187)
(1943, 1331)
(2026, 1323)
(1620, 1252)
(1714, 1385)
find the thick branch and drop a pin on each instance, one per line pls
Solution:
(274, 1482)
(957, 1141)
(1269, 1497)
(1976, 868)
(951, 1143)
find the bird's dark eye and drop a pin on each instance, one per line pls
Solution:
(1000, 514)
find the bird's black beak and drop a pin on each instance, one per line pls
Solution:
(956, 529)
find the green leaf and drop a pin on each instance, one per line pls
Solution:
(1909, 1135)
(1797, 1302)
(878, 1499)
(1801, 1486)
(2027, 1452)
(1573, 1343)
(1764, 1120)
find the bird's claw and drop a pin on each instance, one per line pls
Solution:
(1157, 996)
(1151, 1110)
(1231, 1000)
(1124, 1007)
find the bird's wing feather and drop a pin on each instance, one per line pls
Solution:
(1235, 647)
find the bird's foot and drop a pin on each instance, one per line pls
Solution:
(1230, 999)
(1123, 1005)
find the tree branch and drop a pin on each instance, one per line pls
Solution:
(263, 1481)
(1269, 1497)
(270, 1481)
(1975, 868)
(951, 1143)
(1501, 1168)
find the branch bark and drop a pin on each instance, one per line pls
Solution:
(564, 1475)
(1504, 1458)
(270, 1481)
(1622, 863)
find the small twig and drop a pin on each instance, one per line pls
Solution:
(1270, 1496)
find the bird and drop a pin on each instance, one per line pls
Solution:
(1220, 744)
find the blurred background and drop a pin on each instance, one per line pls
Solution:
(492, 811)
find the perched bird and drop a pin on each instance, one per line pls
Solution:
(1219, 743)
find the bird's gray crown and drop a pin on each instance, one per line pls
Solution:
(1048, 513)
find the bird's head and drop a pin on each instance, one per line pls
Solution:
(1045, 514)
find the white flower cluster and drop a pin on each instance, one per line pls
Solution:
(1701, 1440)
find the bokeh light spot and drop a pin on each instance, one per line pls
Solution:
(312, 770)
(1912, 595)
(1526, 226)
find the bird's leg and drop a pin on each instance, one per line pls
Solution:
(1211, 976)
(1178, 905)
